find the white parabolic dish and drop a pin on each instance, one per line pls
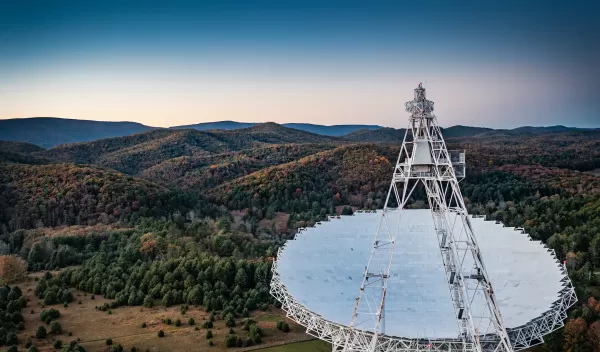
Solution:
(320, 272)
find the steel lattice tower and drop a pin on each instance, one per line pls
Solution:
(424, 160)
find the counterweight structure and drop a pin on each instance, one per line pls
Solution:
(422, 269)
(424, 159)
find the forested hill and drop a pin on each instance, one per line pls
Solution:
(64, 194)
(19, 152)
(132, 154)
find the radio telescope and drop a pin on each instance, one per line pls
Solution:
(434, 279)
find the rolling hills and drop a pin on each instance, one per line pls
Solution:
(48, 132)
(210, 206)
(132, 154)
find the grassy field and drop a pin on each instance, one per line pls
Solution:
(124, 326)
(307, 346)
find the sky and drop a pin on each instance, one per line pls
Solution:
(499, 64)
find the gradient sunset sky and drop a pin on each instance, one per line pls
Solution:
(497, 64)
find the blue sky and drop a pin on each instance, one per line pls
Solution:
(164, 63)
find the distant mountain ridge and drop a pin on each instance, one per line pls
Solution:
(48, 132)
(333, 130)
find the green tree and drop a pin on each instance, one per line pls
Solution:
(11, 339)
(41, 332)
(229, 320)
(55, 327)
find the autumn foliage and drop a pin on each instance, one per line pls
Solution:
(12, 269)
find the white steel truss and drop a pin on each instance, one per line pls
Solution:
(424, 160)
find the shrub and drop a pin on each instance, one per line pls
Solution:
(191, 321)
(161, 333)
(109, 341)
(239, 342)
(49, 315)
(285, 327)
(255, 333)
(92, 297)
(41, 332)
(144, 324)
(211, 343)
(116, 348)
(231, 341)
(55, 327)
(247, 323)
(279, 325)
(178, 323)
(169, 322)
(209, 334)
(248, 342)
(12, 348)
(58, 344)
(207, 324)
(33, 349)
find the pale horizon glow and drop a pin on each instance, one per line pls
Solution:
(184, 63)
(330, 98)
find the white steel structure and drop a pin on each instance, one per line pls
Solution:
(409, 280)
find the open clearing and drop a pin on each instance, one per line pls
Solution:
(306, 346)
(92, 327)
